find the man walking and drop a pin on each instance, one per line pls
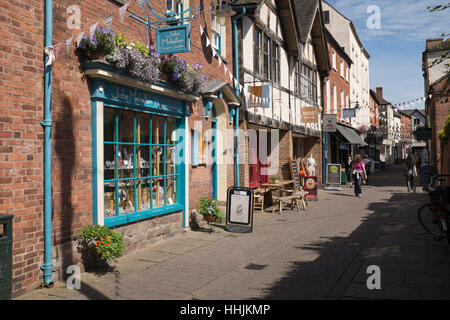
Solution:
(411, 172)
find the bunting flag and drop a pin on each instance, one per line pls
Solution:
(79, 37)
(92, 29)
(208, 43)
(68, 44)
(231, 76)
(108, 21)
(213, 51)
(123, 10)
(201, 31)
(220, 60)
(58, 48)
(141, 4)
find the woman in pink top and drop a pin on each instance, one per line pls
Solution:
(359, 172)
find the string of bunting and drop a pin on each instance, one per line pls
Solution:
(107, 21)
(54, 51)
(407, 104)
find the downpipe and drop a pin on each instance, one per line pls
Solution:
(236, 68)
(47, 267)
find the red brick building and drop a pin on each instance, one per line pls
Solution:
(437, 91)
(82, 97)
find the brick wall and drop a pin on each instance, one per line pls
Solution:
(438, 109)
(341, 84)
(21, 135)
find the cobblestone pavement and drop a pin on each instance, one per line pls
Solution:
(321, 253)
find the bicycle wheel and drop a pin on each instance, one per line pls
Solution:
(446, 226)
(429, 220)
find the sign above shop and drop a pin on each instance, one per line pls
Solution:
(173, 39)
(423, 133)
(310, 115)
(348, 113)
(329, 123)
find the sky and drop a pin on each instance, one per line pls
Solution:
(396, 47)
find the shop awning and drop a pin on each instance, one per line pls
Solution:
(351, 135)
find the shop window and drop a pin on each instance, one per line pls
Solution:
(139, 162)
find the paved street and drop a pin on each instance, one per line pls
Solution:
(322, 253)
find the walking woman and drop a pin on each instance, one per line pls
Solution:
(359, 173)
(411, 172)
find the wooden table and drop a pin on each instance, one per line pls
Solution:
(279, 186)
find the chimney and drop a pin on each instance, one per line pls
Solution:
(380, 92)
(432, 43)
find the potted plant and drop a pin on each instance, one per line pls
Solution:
(101, 44)
(189, 78)
(99, 246)
(274, 179)
(209, 209)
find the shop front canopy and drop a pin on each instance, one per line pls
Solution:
(351, 135)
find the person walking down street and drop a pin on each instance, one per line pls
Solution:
(411, 172)
(367, 165)
(359, 173)
(418, 162)
(348, 170)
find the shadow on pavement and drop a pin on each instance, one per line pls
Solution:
(412, 264)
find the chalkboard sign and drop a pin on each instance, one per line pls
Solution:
(334, 174)
(294, 174)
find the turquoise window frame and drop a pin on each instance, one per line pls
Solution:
(152, 212)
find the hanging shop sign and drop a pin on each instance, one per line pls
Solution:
(310, 115)
(173, 39)
(423, 133)
(348, 113)
(239, 210)
(259, 96)
(329, 123)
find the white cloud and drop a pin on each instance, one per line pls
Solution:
(401, 20)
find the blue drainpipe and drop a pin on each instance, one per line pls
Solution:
(47, 268)
(236, 68)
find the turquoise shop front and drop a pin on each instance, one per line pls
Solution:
(139, 149)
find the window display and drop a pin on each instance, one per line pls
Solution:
(133, 181)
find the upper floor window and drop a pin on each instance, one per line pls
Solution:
(256, 50)
(266, 56)
(334, 60)
(275, 72)
(216, 33)
(326, 17)
(308, 83)
(297, 76)
(342, 69)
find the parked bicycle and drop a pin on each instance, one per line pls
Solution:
(434, 216)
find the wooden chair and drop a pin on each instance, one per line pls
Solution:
(258, 200)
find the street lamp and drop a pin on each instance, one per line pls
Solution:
(223, 11)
